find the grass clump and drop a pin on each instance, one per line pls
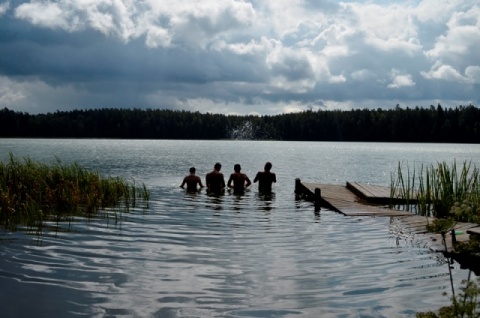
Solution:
(33, 192)
(441, 191)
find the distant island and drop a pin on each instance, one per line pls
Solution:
(434, 124)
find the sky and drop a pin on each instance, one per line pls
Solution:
(262, 57)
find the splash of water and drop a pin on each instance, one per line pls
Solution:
(245, 131)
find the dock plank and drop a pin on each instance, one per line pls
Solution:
(373, 191)
(346, 202)
(474, 230)
(375, 194)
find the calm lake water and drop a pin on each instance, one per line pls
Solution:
(232, 256)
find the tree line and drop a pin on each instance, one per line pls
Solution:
(434, 124)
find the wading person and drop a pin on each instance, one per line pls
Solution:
(214, 180)
(240, 180)
(265, 179)
(192, 181)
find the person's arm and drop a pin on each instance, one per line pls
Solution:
(183, 184)
(207, 181)
(200, 183)
(274, 178)
(256, 177)
(248, 182)
(229, 184)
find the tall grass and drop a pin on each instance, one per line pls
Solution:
(403, 187)
(440, 190)
(32, 192)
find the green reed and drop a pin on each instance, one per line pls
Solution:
(404, 188)
(441, 190)
(32, 192)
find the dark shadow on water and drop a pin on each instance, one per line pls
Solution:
(215, 201)
(237, 201)
(266, 201)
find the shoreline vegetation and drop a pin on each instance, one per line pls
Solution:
(434, 124)
(442, 191)
(32, 193)
(448, 194)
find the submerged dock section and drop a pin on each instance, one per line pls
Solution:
(353, 199)
(359, 199)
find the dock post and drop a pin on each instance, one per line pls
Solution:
(454, 237)
(297, 186)
(318, 199)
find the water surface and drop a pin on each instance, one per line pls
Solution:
(228, 256)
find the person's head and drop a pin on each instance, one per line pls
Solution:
(268, 166)
(217, 166)
(193, 170)
(237, 167)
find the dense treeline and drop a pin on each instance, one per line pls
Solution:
(434, 124)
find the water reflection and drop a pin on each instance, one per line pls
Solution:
(215, 201)
(238, 201)
(201, 255)
(266, 201)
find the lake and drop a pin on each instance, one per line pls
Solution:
(229, 256)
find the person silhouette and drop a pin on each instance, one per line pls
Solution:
(214, 180)
(265, 179)
(192, 181)
(240, 180)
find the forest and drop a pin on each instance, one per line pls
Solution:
(434, 124)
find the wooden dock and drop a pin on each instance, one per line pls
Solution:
(343, 200)
(357, 199)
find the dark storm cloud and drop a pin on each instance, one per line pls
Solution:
(238, 56)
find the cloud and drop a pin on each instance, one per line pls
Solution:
(4, 7)
(386, 27)
(473, 74)
(462, 38)
(238, 56)
(400, 79)
(448, 73)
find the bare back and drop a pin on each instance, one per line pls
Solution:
(215, 181)
(265, 180)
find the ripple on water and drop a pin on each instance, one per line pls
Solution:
(227, 257)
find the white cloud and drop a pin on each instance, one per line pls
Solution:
(449, 73)
(400, 79)
(461, 41)
(386, 27)
(157, 37)
(4, 7)
(437, 11)
(11, 93)
(362, 75)
(49, 15)
(473, 73)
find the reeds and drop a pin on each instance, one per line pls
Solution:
(31, 192)
(441, 191)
